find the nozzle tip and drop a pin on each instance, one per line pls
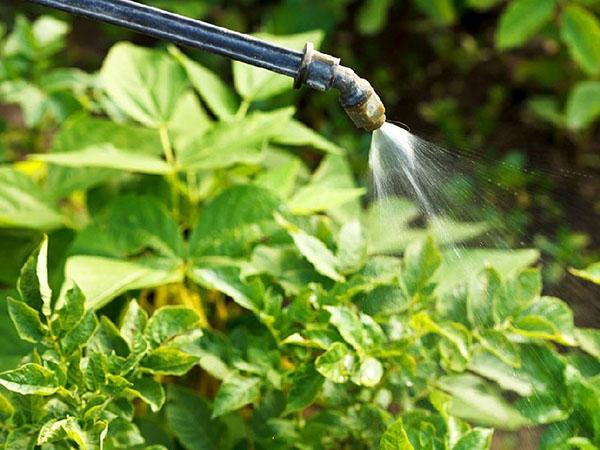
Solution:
(368, 114)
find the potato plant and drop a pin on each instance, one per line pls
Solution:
(208, 282)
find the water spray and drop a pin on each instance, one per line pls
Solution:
(310, 67)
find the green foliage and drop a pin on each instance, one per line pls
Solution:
(214, 291)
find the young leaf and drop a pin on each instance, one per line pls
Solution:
(337, 363)
(30, 379)
(314, 198)
(421, 260)
(26, 321)
(348, 324)
(80, 333)
(298, 134)
(395, 438)
(548, 318)
(352, 247)
(33, 282)
(168, 322)
(521, 20)
(6, 409)
(133, 325)
(150, 391)
(145, 84)
(580, 30)
(305, 385)
(169, 361)
(476, 439)
(583, 104)
(234, 393)
(73, 309)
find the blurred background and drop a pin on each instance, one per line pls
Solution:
(511, 87)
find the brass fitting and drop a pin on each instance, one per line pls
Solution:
(358, 98)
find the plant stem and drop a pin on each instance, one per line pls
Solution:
(243, 109)
(167, 146)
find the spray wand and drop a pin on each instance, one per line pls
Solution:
(315, 69)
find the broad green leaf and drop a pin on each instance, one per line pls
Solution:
(314, 250)
(130, 226)
(188, 416)
(383, 215)
(547, 108)
(150, 391)
(56, 430)
(483, 294)
(145, 84)
(107, 339)
(102, 279)
(259, 84)
(30, 379)
(521, 20)
(6, 409)
(280, 180)
(297, 134)
(227, 280)
(352, 247)
(497, 343)
(233, 221)
(219, 98)
(234, 393)
(369, 372)
(237, 142)
(547, 318)
(337, 363)
(395, 438)
(188, 110)
(133, 324)
(591, 273)
(12, 348)
(459, 267)
(441, 11)
(476, 439)
(475, 401)
(107, 156)
(314, 198)
(81, 332)
(580, 30)
(421, 260)
(373, 15)
(24, 205)
(73, 309)
(583, 104)
(489, 366)
(168, 361)
(26, 321)
(348, 324)
(124, 434)
(455, 333)
(589, 340)
(305, 385)
(168, 322)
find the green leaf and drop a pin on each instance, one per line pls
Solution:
(237, 142)
(234, 220)
(349, 326)
(6, 409)
(26, 321)
(580, 30)
(107, 339)
(80, 333)
(521, 20)
(441, 11)
(592, 273)
(109, 157)
(12, 348)
(150, 391)
(227, 280)
(373, 15)
(296, 133)
(369, 372)
(421, 260)
(314, 250)
(314, 198)
(73, 309)
(169, 361)
(476, 439)
(455, 333)
(547, 108)
(497, 343)
(475, 401)
(145, 84)
(188, 416)
(583, 104)
(221, 100)
(589, 340)
(33, 282)
(24, 205)
(170, 321)
(102, 279)
(395, 438)
(547, 318)
(259, 84)
(234, 393)
(483, 293)
(352, 247)
(305, 385)
(337, 363)
(133, 325)
(30, 379)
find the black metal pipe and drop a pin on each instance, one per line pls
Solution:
(313, 68)
(183, 30)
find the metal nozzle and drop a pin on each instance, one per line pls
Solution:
(357, 96)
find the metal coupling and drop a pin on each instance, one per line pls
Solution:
(358, 98)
